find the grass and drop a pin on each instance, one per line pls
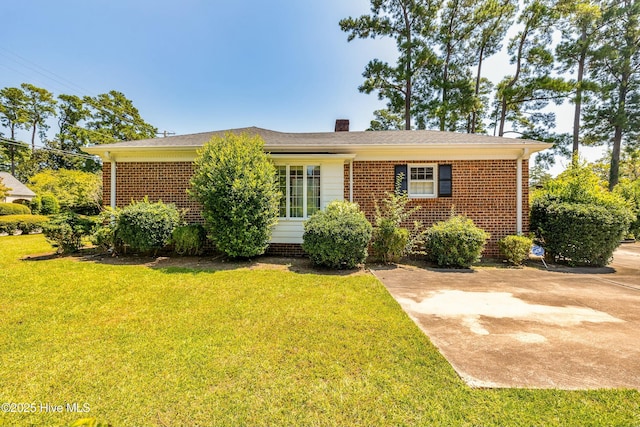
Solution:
(175, 346)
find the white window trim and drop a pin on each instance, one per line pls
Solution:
(304, 216)
(435, 180)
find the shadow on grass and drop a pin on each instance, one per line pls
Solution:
(175, 264)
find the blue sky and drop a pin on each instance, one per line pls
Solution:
(199, 65)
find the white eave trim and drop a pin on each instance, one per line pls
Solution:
(423, 152)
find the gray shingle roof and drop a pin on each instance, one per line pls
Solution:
(17, 188)
(283, 140)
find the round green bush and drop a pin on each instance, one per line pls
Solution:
(577, 220)
(49, 204)
(515, 249)
(146, 226)
(235, 183)
(456, 242)
(14, 209)
(579, 233)
(338, 236)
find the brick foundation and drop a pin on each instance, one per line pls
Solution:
(285, 250)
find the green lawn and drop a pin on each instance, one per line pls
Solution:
(144, 346)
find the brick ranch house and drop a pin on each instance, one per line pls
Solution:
(484, 177)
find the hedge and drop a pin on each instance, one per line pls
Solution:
(25, 223)
(456, 242)
(579, 233)
(338, 236)
(14, 209)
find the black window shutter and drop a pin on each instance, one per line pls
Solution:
(400, 169)
(445, 187)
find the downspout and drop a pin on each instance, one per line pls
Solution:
(525, 152)
(112, 160)
(351, 180)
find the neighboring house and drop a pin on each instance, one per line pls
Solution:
(18, 192)
(483, 177)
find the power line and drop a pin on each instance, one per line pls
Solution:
(53, 150)
(59, 79)
(24, 62)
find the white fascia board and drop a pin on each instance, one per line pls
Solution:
(442, 153)
(344, 152)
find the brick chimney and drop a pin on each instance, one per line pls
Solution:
(342, 125)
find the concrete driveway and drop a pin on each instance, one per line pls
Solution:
(566, 328)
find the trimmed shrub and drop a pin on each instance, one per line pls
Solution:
(515, 249)
(456, 242)
(14, 209)
(579, 233)
(49, 205)
(577, 220)
(189, 239)
(338, 236)
(390, 241)
(66, 231)
(235, 183)
(146, 226)
(25, 223)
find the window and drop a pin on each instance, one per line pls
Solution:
(422, 181)
(300, 188)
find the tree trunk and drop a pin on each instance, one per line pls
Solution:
(33, 137)
(474, 114)
(578, 106)
(503, 116)
(408, 94)
(614, 170)
(12, 149)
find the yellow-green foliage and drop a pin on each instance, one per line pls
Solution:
(515, 249)
(4, 191)
(630, 191)
(578, 220)
(14, 209)
(74, 190)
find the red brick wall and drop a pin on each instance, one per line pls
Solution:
(158, 180)
(483, 190)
